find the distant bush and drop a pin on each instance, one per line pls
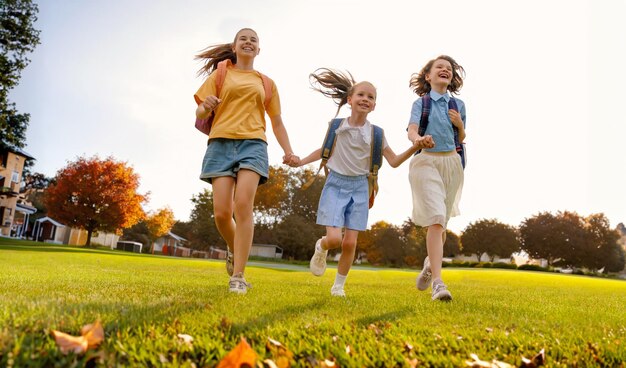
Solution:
(466, 264)
(507, 266)
(532, 267)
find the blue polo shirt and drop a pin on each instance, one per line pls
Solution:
(439, 124)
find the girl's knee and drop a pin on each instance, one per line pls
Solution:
(223, 216)
(348, 245)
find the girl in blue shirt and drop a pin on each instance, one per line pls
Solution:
(436, 174)
(344, 203)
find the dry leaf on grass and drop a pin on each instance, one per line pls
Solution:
(537, 361)
(185, 339)
(408, 347)
(91, 336)
(270, 363)
(280, 353)
(477, 363)
(241, 354)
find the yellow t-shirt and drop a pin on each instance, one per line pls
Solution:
(241, 114)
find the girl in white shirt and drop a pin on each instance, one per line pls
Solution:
(344, 203)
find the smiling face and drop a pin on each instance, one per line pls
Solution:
(363, 97)
(246, 44)
(440, 75)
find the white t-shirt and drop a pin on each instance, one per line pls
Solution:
(351, 155)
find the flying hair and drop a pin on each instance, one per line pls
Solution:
(216, 53)
(334, 84)
(421, 86)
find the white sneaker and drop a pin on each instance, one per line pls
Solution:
(238, 284)
(230, 265)
(318, 261)
(440, 292)
(425, 277)
(337, 291)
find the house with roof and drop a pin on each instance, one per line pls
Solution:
(13, 218)
(173, 245)
(266, 251)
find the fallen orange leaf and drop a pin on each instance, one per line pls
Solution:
(240, 355)
(68, 343)
(91, 336)
(94, 333)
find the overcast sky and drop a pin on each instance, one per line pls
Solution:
(544, 91)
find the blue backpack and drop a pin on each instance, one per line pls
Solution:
(376, 156)
(426, 103)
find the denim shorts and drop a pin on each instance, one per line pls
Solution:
(344, 202)
(225, 157)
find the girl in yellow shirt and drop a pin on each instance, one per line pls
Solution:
(236, 159)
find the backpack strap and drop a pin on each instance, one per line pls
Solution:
(426, 103)
(329, 142)
(327, 149)
(267, 86)
(421, 130)
(222, 67)
(460, 148)
(376, 161)
(376, 157)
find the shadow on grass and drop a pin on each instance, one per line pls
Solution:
(391, 316)
(272, 317)
(47, 248)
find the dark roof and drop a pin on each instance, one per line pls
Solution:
(20, 152)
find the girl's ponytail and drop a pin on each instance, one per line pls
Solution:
(334, 84)
(215, 54)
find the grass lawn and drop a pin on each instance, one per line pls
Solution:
(144, 302)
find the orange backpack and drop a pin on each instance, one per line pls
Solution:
(204, 125)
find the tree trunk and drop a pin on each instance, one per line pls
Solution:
(89, 233)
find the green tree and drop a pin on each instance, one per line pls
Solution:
(286, 213)
(204, 232)
(558, 238)
(602, 249)
(415, 239)
(297, 237)
(18, 38)
(452, 246)
(491, 237)
(388, 244)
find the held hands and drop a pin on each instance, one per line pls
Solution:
(424, 142)
(291, 160)
(455, 118)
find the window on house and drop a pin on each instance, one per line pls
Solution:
(15, 177)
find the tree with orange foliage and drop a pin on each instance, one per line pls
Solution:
(159, 223)
(96, 195)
